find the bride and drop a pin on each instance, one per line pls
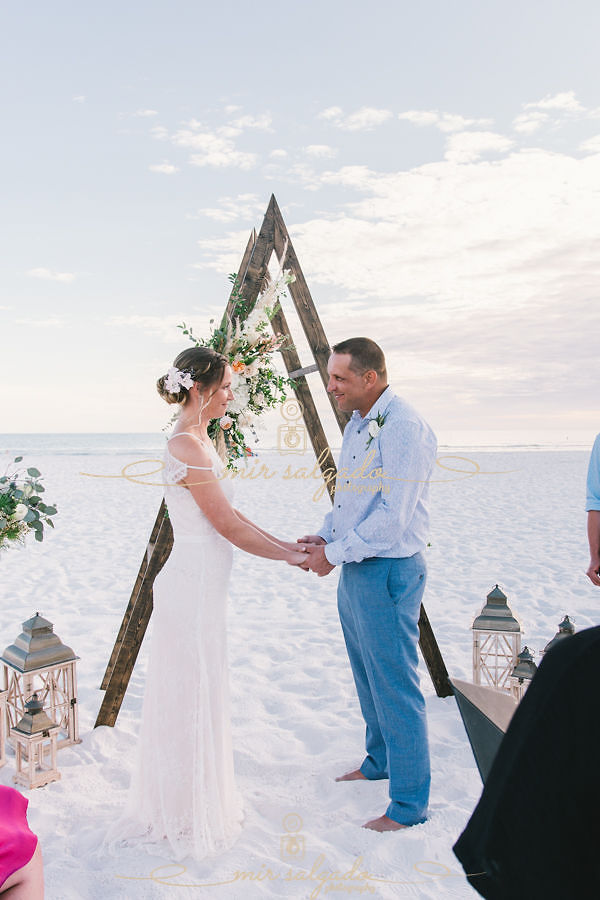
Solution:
(183, 789)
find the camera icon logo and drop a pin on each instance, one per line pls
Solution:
(291, 438)
(292, 842)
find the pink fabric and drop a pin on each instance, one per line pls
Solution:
(17, 842)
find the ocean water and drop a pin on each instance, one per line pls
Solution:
(28, 445)
(152, 443)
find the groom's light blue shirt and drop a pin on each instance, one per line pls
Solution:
(593, 478)
(382, 487)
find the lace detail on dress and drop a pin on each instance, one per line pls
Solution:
(183, 796)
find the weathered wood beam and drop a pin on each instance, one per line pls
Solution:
(303, 301)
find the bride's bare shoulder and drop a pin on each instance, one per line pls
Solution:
(189, 449)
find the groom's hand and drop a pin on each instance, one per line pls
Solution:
(316, 560)
(311, 539)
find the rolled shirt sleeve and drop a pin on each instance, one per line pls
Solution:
(593, 478)
(380, 505)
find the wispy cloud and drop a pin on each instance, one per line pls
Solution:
(278, 153)
(164, 327)
(592, 145)
(364, 119)
(244, 206)
(79, 98)
(164, 168)
(145, 113)
(263, 122)
(50, 322)
(50, 275)
(320, 151)
(215, 148)
(552, 110)
(469, 146)
(443, 121)
(160, 133)
(566, 101)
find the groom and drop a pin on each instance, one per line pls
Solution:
(376, 532)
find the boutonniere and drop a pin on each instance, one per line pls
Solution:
(375, 426)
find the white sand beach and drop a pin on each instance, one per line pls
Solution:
(512, 518)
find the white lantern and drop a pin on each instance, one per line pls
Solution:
(38, 662)
(35, 739)
(496, 642)
(565, 629)
(523, 672)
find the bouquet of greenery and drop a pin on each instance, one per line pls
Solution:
(21, 507)
(247, 341)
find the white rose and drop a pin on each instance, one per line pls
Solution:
(252, 369)
(374, 428)
(20, 512)
(225, 422)
(241, 396)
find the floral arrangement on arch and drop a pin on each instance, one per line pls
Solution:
(21, 508)
(248, 343)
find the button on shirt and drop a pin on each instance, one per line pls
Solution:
(593, 478)
(382, 490)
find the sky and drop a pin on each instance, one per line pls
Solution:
(437, 165)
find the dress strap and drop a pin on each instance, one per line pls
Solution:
(187, 465)
(185, 432)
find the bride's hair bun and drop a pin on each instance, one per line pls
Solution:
(203, 364)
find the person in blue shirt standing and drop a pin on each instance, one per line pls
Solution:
(593, 510)
(377, 532)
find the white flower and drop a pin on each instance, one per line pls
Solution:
(257, 317)
(225, 422)
(241, 397)
(20, 512)
(176, 379)
(251, 369)
(374, 428)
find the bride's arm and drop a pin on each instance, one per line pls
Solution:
(207, 493)
(289, 544)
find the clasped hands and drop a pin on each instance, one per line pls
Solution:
(314, 558)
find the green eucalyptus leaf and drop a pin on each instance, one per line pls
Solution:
(35, 473)
(18, 459)
(39, 536)
(50, 510)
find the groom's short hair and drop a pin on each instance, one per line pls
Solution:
(364, 354)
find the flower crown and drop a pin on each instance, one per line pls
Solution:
(176, 378)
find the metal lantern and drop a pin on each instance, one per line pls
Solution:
(35, 738)
(496, 642)
(522, 673)
(38, 661)
(565, 629)
(2, 727)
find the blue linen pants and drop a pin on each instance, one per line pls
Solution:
(379, 601)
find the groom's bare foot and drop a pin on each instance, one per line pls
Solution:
(384, 823)
(355, 775)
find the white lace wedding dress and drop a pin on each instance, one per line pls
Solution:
(183, 794)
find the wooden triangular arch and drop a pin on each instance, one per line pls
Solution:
(252, 275)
